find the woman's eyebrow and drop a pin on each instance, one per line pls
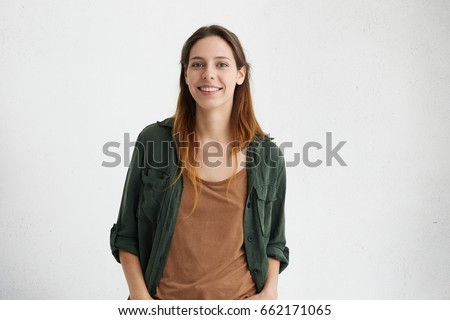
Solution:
(219, 57)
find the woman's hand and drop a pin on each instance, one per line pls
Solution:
(264, 295)
(133, 273)
(270, 290)
(142, 296)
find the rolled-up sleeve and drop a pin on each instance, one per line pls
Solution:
(124, 233)
(276, 247)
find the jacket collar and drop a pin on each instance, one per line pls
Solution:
(168, 122)
(255, 144)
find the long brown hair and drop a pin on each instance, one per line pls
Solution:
(243, 123)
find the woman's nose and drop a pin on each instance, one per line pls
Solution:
(208, 73)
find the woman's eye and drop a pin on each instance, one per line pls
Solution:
(222, 65)
(197, 65)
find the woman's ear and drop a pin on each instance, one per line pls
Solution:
(241, 75)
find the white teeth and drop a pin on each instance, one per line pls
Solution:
(209, 89)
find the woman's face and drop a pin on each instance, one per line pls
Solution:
(212, 73)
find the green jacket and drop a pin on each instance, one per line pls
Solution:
(149, 209)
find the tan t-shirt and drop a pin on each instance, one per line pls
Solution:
(207, 259)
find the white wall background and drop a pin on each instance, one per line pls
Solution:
(77, 74)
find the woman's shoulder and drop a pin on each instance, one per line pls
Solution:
(159, 130)
(266, 141)
(269, 151)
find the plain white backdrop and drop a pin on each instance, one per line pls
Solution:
(77, 74)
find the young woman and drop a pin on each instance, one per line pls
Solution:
(202, 211)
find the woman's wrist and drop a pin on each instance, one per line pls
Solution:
(141, 296)
(269, 294)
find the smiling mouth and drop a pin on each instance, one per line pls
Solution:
(209, 89)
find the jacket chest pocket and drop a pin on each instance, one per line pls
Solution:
(154, 182)
(266, 195)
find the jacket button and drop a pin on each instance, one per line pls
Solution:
(249, 238)
(255, 271)
(248, 205)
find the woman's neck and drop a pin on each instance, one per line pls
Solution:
(213, 125)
